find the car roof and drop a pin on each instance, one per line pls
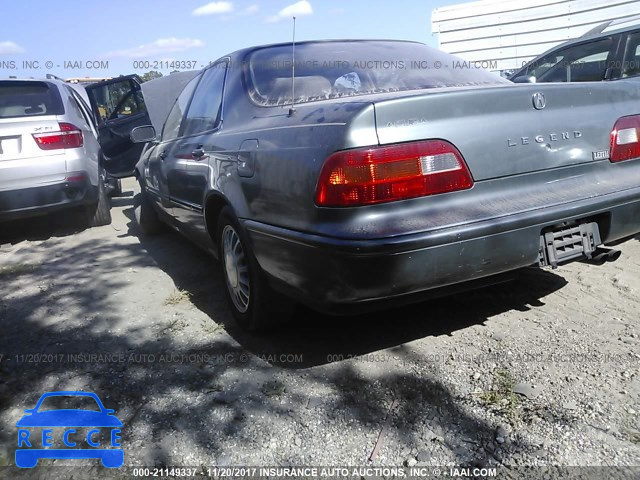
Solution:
(621, 24)
(60, 83)
(603, 30)
(308, 42)
(45, 80)
(53, 81)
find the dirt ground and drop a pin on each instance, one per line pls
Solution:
(540, 371)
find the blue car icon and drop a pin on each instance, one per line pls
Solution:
(67, 419)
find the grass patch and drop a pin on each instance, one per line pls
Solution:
(17, 269)
(177, 324)
(501, 397)
(178, 296)
(211, 327)
(274, 388)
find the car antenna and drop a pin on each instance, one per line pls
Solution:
(292, 110)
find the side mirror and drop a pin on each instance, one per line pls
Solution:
(29, 411)
(143, 134)
(525, 79)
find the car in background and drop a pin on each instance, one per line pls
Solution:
(367, 180)
(611, 51)
(57, 152)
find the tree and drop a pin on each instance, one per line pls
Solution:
(145, 77)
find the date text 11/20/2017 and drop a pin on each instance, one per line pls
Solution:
(318, 472)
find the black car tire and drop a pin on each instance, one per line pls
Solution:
(116, 187)
(146, 216)
(254, 304)
(99, 214)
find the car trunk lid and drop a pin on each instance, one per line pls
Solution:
(511, 129)
(21, 159)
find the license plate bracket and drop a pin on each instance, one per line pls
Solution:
(570, 243)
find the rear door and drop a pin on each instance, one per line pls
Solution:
(119, 107)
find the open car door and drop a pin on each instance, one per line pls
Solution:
(119, 107)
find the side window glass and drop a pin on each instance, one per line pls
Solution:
(206, 107)
(544, 64)
(172, 125)
(118, 100)
(581, 63)
(631, 63)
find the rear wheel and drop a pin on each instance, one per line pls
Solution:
(146, 216)
(255, 306)
(99, 214)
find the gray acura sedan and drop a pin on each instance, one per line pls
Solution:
(384, 172)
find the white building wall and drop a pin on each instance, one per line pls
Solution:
(506, 34)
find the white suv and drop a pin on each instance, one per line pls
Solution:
(59, 140)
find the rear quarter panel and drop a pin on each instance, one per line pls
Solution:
(291, 151)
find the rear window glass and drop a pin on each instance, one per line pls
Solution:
(339, 69)
(29, 99)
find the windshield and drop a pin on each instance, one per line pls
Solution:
(337, 69)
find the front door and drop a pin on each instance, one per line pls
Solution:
(119, 107)
(166, 168)
(198, 148)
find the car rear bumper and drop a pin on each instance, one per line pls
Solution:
(26, 202)
(337, 275)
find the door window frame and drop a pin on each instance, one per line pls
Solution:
(612, 56)
(220, 118)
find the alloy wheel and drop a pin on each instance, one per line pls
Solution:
(236, 269)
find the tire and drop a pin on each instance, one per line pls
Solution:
(254, 305)
(146, 216)
(99, 214)
(116, 187)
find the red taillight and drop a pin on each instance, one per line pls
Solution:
(69, 136)
(389, 173)
(625, 139)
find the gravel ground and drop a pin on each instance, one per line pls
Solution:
(542, 371)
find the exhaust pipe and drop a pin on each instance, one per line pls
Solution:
(603, 255)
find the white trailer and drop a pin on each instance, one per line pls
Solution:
(502, 35)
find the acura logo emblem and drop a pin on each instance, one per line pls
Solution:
(539, 102)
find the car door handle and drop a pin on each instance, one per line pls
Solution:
(162, 155)
(198, 153)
